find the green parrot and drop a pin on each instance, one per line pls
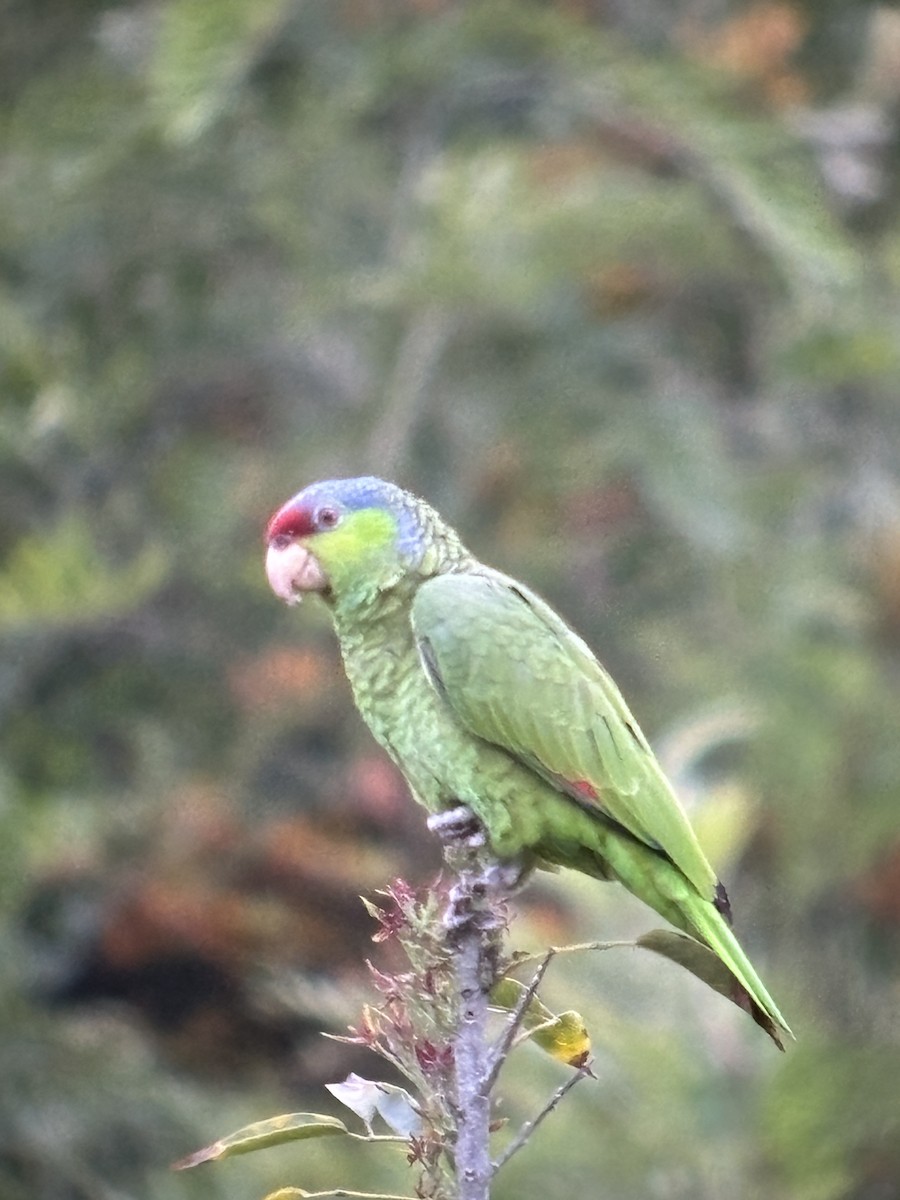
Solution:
(490, 704)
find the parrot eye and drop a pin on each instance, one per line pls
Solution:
(327, 518)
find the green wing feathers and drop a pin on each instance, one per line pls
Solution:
(515, 675)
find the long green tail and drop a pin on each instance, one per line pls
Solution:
(599, 848)
(658, 882)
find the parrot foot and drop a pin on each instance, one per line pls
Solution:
(508, 877)
(458, 827)
(479, 899)
(467, 908)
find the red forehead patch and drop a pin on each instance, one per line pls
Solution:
(292, 521)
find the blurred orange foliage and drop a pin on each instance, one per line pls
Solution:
(758, 44)
(281, 675)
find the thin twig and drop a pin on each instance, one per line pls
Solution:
(525, 1035)
(504, 1044)
(530, 1126)
(508, 1039)
(286, 1193)
(576, 948)
(397, 1138)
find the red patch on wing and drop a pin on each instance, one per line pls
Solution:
(291, 521)
(585, 790)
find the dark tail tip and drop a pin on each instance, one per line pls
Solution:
(722, 903)
(760, 1016)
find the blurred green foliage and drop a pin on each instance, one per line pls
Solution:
(617, 287)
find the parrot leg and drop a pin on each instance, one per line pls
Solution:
(466, 909)
(458, 827)
(469, 902)
(480, 897)
(507, 877)
(484, 886)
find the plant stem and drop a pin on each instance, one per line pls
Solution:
(475, 920)
(473, 1105)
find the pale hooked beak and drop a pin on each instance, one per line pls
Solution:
(293, 570)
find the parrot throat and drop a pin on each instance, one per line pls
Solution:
(381, 659)
(369, 609)
(378, 646)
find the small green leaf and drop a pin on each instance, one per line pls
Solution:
(563, 1036)
(690, 954)
(707, 966)
(369, 1098)
(275, 1131)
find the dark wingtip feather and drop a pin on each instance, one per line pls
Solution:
(722, 903)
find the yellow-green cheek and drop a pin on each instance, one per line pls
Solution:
(354, 550)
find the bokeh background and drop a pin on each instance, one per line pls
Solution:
(617, 286)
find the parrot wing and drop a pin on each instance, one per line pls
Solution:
(515, 675)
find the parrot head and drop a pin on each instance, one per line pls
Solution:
(345, 537)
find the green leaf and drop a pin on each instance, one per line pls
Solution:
(276, 1131)
(708, 967)
(369, 1098)
(563, 1036)
(690, 954)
